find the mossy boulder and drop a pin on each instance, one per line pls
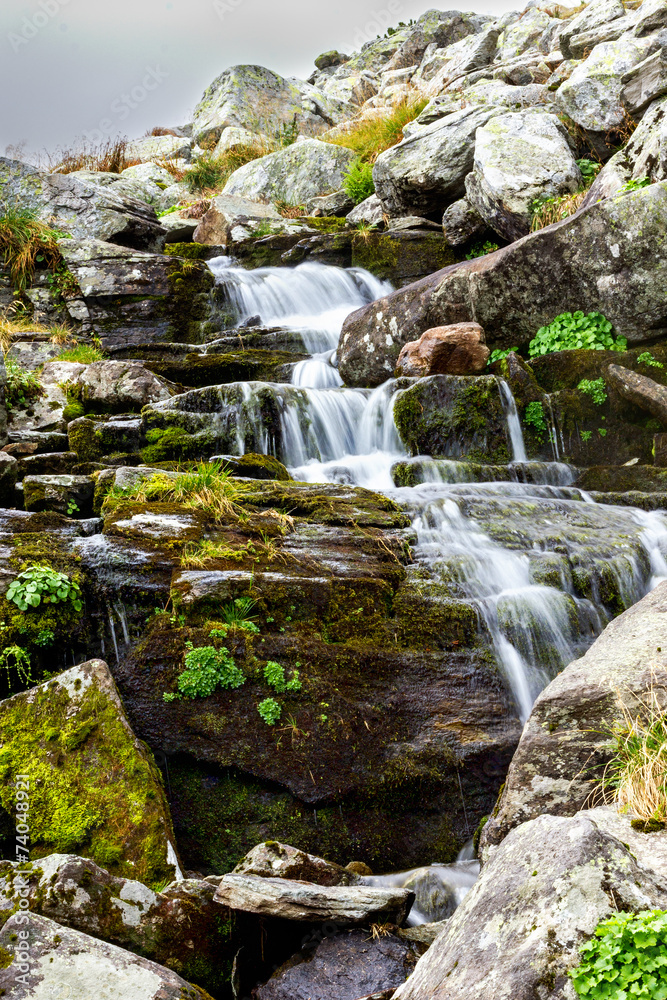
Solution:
(93, 787)
(258, 467)
(68, 495)
(199, 370)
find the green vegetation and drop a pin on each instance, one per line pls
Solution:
(274, 675)
(270, 711)
(42, 585)
(545, 210)
(211, 173)
(625, 959)
(534, 417)
(481, 250)
(358, 182)
(574, 331)
(26, 241)
(586, 435)
(206, 670)
(646, 358)
(23, 387)
(15, 660)
(372, 134)
(82, 354)
(630, 186)
(109, 157)
(595, 388)
(500, 355)
(589, 169)
(238, 613)
(208, 487)
(637, 773)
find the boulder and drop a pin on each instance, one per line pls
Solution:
(519, 157)
(369, 212)
(650, 17)
(565, 744)
(347, 906)
(337, 204)
(9, 470)
(446, 350)
(227, 212)
(426, 171)
(179, 228)
(582, 44)
(331, 58)
(296, 174)
(69, 495)
(46, 413)
(462, 222)
(433, 30)
(255, 98)
(159, 147)
(518, 931)
(273, 860)
(504, 291)
(70, 734)
(158, 925)
(83, 210)
(594, 15)
(523, 34)
(642, 391)
(149, 172)
(344, 966)
(121, 185)
(465, 56)
(235, 138)
(43, 959)
(644, 83)
(592, 94)
(119, 387)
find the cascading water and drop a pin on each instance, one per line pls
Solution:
(524, 593)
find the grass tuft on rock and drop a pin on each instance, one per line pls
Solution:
(373, 133)
(26, 241)
(208, 487)
(211, 173)
(637, 773)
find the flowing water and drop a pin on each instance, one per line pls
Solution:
(478, 538)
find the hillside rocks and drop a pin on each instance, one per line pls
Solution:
(640, 390)
(504, 291)
(427, 170)
(592, 94)
(597, 14)
(227, 212)
(66, 962)
(347, 906)
(69, 734)
(118, 387)
(445, 350)
(519, 929)
(565, 744)
(83, 210)
(273, 860)
(303, 171)
(519, 157)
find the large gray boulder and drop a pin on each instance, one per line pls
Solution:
(607, 258)
(594, 15)
(119, 387)
(302, 171)
(159, 147)
(592, 94)
(426, 171)
(519, 157)
(644, 83)
(645, 155)
(466, 56)
(80, 209)
(42, 959)
(255, 98)
(46, 412)
(644, 392)
(518, 931)
(565, 744)
(523, 34)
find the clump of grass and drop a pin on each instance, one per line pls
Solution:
(26, 241)
(637, 773)
(109, 157)
(210, 173)
(208, 487)
(371, 134)
(82, 354)
(23, 387)
(289, 210)
(553, 210)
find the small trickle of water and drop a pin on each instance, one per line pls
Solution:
(513, 422)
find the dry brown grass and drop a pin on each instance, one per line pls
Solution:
(557, 209)
(374, 132)
(24, 241)
(109, 157)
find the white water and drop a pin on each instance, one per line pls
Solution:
(337, 435)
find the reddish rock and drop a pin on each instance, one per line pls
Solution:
(458, 349)
(21, 448)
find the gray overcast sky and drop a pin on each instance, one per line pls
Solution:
(65, 64)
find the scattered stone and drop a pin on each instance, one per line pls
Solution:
(596, 14)
(359, 868)
(273, 860)
(446, 350)
(642, 391)
(462, 222)
(159, 147)
(71, 496)
(347, 906)
(336, 205)
(369, 212)
(227, 212)
(644, 83)
(592, 94)
(9, 472)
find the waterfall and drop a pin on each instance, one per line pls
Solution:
(513, 422)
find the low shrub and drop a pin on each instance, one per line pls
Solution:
(109, 157)
(270, 711)
(534, 417)
(42, 585)
(274, 675)
(595, 388)
(626, 958)
(358, 182)
(574, 331)
(211, 173)
(206, 670)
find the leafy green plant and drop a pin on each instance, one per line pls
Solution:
(646, 358)
(42, 585)
(589, 169)
(481, 250)
(595, 388)
(23, 387)
(72, 507)
(239, 613)
(534, 417)
(626, 958)
(288, 133)
(16, 661)
(270, 711)
(576, 331)
(274, 675)
(62, 281)
(602, 431)
(358, 181)
(206, 670)
(500, 354)
(586, 435)
(634, 185)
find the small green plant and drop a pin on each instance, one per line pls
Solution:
(26, 241)
(369, 135)
(45, 637)
(589, 169)
(595, 388)
(274, 675)
(288, 133)
(270, 711)
(481, 250)
(16, 661)
(634, 185)
(23, 387)
(43, 585)
(500, 354)
(72, 507)
(358, 182)
(576, 331)
(206, 670)
(625, 959)
(61, 280)
(238, 613)
(586, 435)
(602, 431)
(646, 358)
(534, 417)
(82, 354)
